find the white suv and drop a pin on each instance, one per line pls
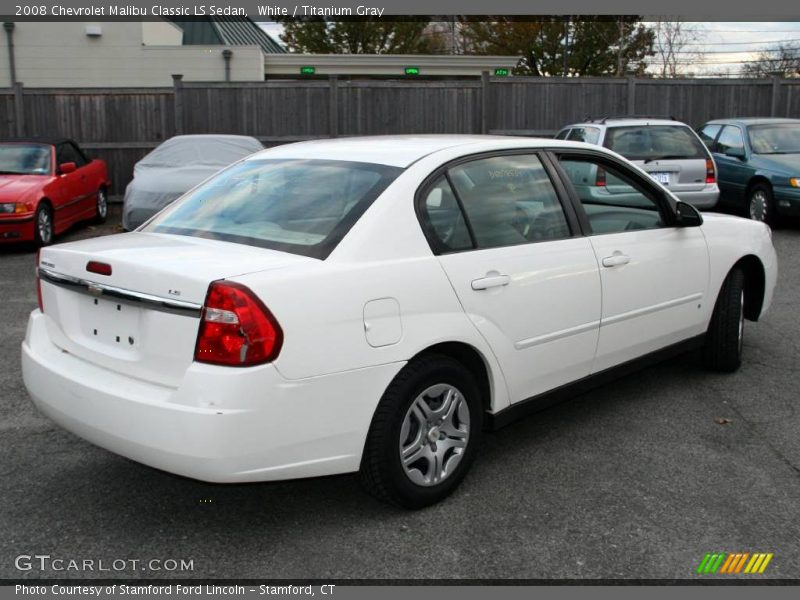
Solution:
(668, 150)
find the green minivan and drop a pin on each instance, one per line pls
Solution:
(758, 165)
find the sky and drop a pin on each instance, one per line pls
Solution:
(724, 45)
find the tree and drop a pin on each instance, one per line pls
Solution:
(554, 46)
(783, 60)
(671, 43)
(368, 36)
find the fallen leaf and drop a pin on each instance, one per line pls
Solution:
(722, 421)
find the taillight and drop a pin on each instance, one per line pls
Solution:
(711, 174)
(38, 284)
(600, 180)
(236, 329)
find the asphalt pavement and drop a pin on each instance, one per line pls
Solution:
(637, 479)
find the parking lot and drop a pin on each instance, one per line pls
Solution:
(637, 479)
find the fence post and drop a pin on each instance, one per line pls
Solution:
(485, 100)
(177, 86)
(333, 105)
(19, 110)
(776, 96)
(631, 95)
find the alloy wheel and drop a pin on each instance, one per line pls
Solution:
(44, 225)
(758, 205)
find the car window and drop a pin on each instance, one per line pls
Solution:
(66, 152)
(731, 137)
(775, 139)
(509, 200)
(612, 200)
(561, 135)
(24, 159)
(708, 134)
(445, 219)
(654, 142)
(294, 205)
(590, 135)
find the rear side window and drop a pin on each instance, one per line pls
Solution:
(444, 218)
(731, 137)
(294, 205)
(509, 200)
(561, 135)
(708, 134)
(655, 142)
(590, 135)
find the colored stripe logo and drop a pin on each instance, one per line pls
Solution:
(734, 563)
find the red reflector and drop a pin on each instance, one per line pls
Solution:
(38, 284)
(236, 329)
(97, 267)
(711, 174)
(600, 181)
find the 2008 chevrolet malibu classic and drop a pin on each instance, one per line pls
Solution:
(373, 304)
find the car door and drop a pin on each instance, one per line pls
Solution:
(72, 186)
(733, 172)
(526, 278)
(654, 274)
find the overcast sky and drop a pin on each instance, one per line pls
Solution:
(724, 44)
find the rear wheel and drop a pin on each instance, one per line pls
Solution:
(424, 433)
(760, 206)
(101, 213)
(723, 346)
(43, 225)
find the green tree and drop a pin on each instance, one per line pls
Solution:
(576, 46)
(328, 36)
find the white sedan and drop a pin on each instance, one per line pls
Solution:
(373, 304)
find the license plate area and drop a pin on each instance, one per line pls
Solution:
(110, 323)
(660, 177)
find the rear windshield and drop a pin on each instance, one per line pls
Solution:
(294, 205)
(24, 159)
(655, 142)
(775, 139)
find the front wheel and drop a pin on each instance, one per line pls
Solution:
(424, 433)
(43, 225)
(760, 205)
(723, 346)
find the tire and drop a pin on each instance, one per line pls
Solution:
(723, 346)
(760, 204)
(434, 394)
(43, 227)
(101, 207)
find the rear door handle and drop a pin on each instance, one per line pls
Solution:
(491, 280)
(617, 259)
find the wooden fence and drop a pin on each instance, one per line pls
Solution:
(121, 125)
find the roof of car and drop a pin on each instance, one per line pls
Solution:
(391, 150)
(753, 121)
(626, 122)
(52, 141)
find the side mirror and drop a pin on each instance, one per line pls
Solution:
(687, 215)
(67, 167)
(736, 153)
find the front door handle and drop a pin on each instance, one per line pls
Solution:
(617, 259)
(492, 279)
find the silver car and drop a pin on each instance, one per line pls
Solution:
(668, 150)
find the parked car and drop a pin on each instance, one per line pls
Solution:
(46, 186)
(372, 304)
(668, 150)
(759, 165)
(175, 167)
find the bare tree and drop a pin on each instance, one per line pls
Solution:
(783, 60)
(672, 42)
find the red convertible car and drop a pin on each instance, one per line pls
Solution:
(47, 185)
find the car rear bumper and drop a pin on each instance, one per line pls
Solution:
(220, 425)
(18, 229)
(704, 199)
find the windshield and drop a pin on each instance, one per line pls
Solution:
(294, 205)
(655, 142)
(775, 139)
(24, 159)
(184, 151)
